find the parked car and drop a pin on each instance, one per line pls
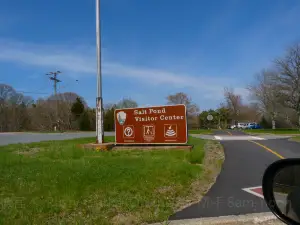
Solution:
(253, 126)
(239, 126)
(232, 127)
(242, 125)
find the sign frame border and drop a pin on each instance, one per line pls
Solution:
(143, 143)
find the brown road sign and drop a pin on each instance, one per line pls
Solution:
(151, 125)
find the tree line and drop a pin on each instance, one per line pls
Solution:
(63, 112)
(276, 90)
(67, 111)
(274, 97)
(274, 101)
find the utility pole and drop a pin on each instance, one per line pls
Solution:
(53, 77)
(99, 100)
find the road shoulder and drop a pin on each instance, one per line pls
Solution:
(212, 166)
(248, 219)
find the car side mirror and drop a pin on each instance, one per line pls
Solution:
(281, 190)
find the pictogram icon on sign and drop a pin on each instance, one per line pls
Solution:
(170, 130)
(149, 130)
(128, 131)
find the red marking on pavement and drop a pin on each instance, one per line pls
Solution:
(257, 191)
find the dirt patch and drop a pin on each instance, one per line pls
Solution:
(164, 190)
(212, 165)
(157, 147)
(124, 219)
(28, 151)
(247, 219)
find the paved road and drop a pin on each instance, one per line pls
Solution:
(284, 147)
(244, 166)
(229, 132)
(230, 135)
(12, 138)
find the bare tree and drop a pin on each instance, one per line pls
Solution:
(61, 106)
(266, 93)
(68, 97)
(289, 78)
(108, 106)
(233, 103)
(19, 112)
(6, 92)
(9, 95)
(126, 103)
(13, 114)
(182, 98)
(192, 108)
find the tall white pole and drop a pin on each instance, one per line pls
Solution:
(99, 100)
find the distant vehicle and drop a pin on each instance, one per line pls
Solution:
(232, 127)
(253, 126)
(239, 126)
(245, 126)
(242, 125)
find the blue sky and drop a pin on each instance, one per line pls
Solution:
(150, 48)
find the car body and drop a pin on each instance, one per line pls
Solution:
(242, 125)
(239, 126)
(253, 126)
(232, 126)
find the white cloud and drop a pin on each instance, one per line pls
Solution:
(80, 61)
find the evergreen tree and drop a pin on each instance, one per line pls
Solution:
(84, 122)
(77, 108)
(109, 120)
(264, 123)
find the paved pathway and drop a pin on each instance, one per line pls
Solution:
(13, 138)
(237, 190)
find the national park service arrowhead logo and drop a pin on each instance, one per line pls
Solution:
(121, 116)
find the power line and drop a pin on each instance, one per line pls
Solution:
(68, 85)
(32, 92)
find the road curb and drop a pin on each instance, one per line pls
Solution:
(254, 218)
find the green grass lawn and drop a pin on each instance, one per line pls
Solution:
(201, 131)
(296, 138)
(271, 131)
(55, 182)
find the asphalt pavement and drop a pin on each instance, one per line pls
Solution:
(283, 147)
(244, 166)
(229, 132)
(24, 137)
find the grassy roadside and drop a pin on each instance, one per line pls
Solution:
(57, 182)
(295, 138)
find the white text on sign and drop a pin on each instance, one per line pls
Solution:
(154, 118)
